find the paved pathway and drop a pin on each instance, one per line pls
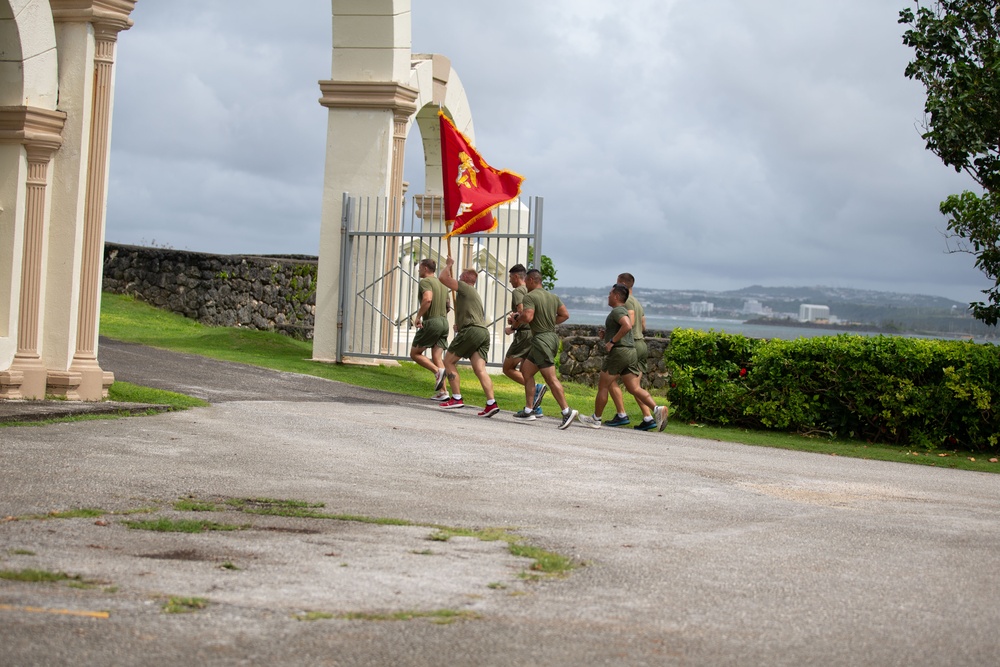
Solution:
(696, 552)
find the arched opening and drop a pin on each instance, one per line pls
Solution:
(28, 64)
(28, 81)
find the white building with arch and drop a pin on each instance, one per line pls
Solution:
(378, 91)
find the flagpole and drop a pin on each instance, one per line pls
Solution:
(454, 293)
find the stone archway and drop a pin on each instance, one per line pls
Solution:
(56, 83)
(28, 67)
(377, 91)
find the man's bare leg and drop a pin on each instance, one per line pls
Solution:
(479, 368)
(510, 369)
(549, 375)
(616, 396)
(528, 370)
(417, 354)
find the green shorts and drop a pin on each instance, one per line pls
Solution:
(620, 361)
(641, 354)
(470, 340)
(544, 348)
(521, 345)
(433, 333)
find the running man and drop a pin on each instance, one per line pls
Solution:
(542, 311)
(521, 345)
(431, 322)
(638, 317)
(621, 362)
(472, 340)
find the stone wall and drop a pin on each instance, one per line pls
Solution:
(582, 355)
(258, 292)
(279, 294)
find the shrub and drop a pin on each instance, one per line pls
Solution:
(926, 393)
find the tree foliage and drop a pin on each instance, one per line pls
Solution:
(547, 268)
(957, 58)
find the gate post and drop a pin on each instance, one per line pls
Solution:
(369, 102)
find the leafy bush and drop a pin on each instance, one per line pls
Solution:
(707, 372)
(925, 393)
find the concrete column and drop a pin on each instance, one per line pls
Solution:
(94, 382)
(87, 33)
(39, 131)
(370, 104)
(366, 137)
(401, 118)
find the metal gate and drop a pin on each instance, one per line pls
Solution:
(381, 246)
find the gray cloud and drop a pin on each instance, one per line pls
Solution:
(700, 144)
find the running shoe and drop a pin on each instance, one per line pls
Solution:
(645, 425)
(568, 419)
(441, 396)
(525, 415)
(618, 421)
(660, 415)
(591, 421)
(540, 390)
(489, 410)
(538, 411)
(452, 403)
(439, 379)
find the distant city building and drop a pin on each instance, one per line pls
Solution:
(699, 308)
(811, 313)
(754, 307)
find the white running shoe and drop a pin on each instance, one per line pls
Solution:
(660, 415)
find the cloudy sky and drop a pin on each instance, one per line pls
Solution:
(699, 144)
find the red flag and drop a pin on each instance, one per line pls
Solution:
(472, 188)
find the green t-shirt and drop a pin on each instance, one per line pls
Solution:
(440, 296)
(517, 299)
(636, 307)
(612, 326)
(546, 306)
(468, 307)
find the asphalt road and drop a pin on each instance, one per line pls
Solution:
(692, 552)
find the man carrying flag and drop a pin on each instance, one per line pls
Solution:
(472, 340)
(472, 188)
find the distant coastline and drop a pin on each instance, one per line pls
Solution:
(771, 328)
(840, 326)
(856, 327)
(774, 312)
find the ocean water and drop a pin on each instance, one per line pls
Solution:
(666, 323)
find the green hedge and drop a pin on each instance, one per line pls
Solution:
(907, 391)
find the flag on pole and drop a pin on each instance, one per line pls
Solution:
(472, 188)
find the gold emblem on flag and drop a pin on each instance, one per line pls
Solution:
(467, 171)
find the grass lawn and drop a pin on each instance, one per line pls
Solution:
(126, 319)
